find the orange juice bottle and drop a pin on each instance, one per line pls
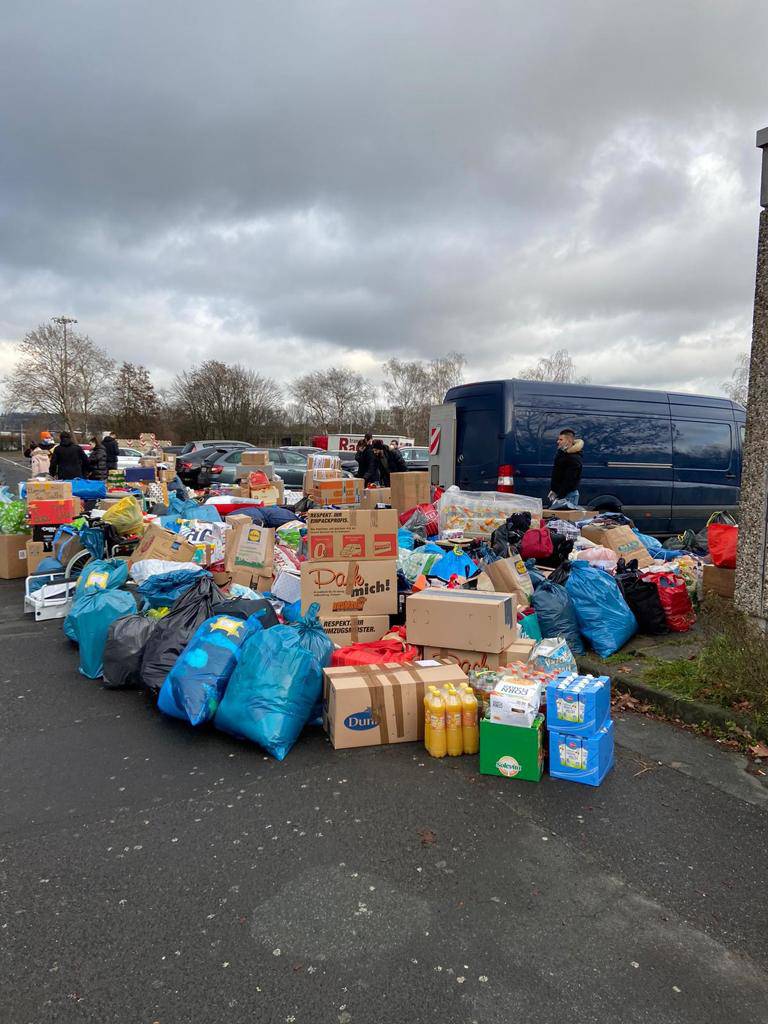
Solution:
(426, 719)
(453, 734)
(470, 729)
(437, 741)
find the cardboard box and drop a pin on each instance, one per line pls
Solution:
(54, 513)
(322, 462)
(367, 587)
(160, 543)
(466, 620)
(140, 474)
(342, 491)
(619, 539)
(354, 629)
(515, 702)
(48, 490)
(715, 580)
(370, 705)
(512, 752)
(373, 496)
(519, 651)
(147, 461)
(254, 458)
(408, 490)
(35, 554)
(568, 515)
(249, 546)
(334, 534)
(585, 759)
(13, 555)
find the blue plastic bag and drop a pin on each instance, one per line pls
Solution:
(317, 642)
(602, 613)
(272, 692)
(653, 546)
(556, 614)
(163, 589)
(89, 490)
(196, 683)
(178, 509)
(454, 563)
(97, 603)
(405, 539)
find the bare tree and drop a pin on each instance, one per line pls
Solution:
(134, 403)
(558, 368)
(47, 380)
(407, 385)
(333, 398)
(444, 373)
(737, 388)
(226, 401)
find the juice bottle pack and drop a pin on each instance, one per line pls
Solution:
(470, 728)
(453, 725)
(437, 738)
(426, 719)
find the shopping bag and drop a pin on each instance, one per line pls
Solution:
(723, 541)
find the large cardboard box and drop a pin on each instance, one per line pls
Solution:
(324, 463)
(49, 490)
(13, 555)
(351, 533)
(368, 587)
(254, 458)
(342, 491)
(163, 544)
(54, 512)
(373, 496)
(715, 580)
(619, 539)
(511, 751)
(35, 554)
(370, 705)
(408, 489)
(249, 546)
(466, 620)
(519, 651)
(354, 629)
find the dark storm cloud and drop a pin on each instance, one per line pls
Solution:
(296, 183)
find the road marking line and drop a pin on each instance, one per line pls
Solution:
(12, 462)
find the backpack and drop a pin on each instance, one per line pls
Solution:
(536, 544)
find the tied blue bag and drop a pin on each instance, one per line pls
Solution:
(602, 613)
(195, 685)
(273, 690)
(161, 590)
(179, 509)
(98, 602)
(454, 563)
(556, 614)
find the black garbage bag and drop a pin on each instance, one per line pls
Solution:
(561, 573)
(643, 599)
(126, 640)
(561, 549)
(244, 607)
(174, 632)
(555, 612)
(510, 534)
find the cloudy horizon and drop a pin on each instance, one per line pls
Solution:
(298, 186)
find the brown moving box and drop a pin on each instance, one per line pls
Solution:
(370, 705)
(343, 491)
(334, 534)
(49, 490)
(408, 490)
(368, 587)
(354, 629)
(321, 461)
(518, 651)
(13, 555)
(249, 546)
(374, 496)
(35, 554)
(465, 620)
(568, 515)
(718, 581)
(619, 539)
(254, 458)
(160, 543)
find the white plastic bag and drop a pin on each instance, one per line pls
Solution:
(479, 513)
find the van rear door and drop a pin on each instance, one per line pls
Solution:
(479, 430)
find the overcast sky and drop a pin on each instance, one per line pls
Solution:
(301, 184)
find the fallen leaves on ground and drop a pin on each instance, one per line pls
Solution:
(427, 836)
(759, 750)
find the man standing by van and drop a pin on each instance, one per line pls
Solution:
(566, 471)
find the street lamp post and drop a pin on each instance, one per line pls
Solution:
(63, 321)
(752, 566)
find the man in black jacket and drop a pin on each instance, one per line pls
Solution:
(68, 459)
(110, 447)
(566, 471)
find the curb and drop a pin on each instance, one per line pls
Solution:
(693, 712)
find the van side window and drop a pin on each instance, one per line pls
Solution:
(699, 444)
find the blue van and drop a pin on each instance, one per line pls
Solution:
(669, 459)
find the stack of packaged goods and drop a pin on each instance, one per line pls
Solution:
(258, 480)
(351, 571)
(580, 728)
(450, 720)
(326, 485)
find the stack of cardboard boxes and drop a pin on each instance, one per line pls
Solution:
(326, 485)
(257, 479)
(351, 571)
(50, 503)
(407, 490)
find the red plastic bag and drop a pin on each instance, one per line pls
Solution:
(390, 648)
(723, 541)
(536, 544)
(673, 594)
(430, 514)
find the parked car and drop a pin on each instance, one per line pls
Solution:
(174, 449)
(188, 466)
(196, 446)
(127, 457)
(668, 459)
(224, 467)
(302, 449)
(416, 459)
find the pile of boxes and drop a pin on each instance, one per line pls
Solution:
(351, 571)
(326, 485)
(580, 728)
(257, 479)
